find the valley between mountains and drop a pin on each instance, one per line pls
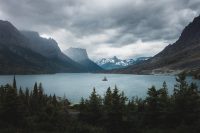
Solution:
(26, 52)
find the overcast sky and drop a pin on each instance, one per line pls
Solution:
(125, 28)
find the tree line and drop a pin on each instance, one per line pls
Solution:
(159, 112)
(31, 110)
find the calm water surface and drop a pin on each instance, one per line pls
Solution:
(77, 85)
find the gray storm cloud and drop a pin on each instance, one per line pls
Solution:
(104, 25)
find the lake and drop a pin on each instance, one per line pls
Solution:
(77, 85)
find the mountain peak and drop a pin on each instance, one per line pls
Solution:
(80, 55)
(183, 55)
(46, 47)
(116, 63)
(6, 27)
(115, 58)
(31, 33)
(4, 22)
(77, 54)
(191, 32)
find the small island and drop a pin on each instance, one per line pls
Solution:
(105, 79)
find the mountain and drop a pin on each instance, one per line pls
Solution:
(46, 47)
(183, 55)
(80, 56)
(116, 63)
(19, 54)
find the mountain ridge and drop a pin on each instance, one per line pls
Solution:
(183, 55)
(17, 57)
(116, 63)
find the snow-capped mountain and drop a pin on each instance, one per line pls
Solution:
(116, 63)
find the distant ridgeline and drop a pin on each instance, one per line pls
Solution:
(25, 52)
(116, 63)
(34, 111)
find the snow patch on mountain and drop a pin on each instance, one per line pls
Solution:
(115, 63)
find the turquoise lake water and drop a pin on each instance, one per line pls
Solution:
(77, 85)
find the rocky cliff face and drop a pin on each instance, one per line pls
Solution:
(80, 56)
(77, 54)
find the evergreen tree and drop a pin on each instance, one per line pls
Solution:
(34, 100)
(152, 101)
(164, 91)
(40, 90)
(35, 90)
(41, 97)
(94, 107)
(131, 109)
(108, 100)
(14, 83)
(83, 110)
(163, 98)
(11, 113)
(115, 115)
(186, 101)
(27, 97)
(54, 100)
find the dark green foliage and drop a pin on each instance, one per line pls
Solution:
(14, 83)
(30, 111)
(34, 111)
(157, 113)
(91, 110)
(11, 112)
(186, 102)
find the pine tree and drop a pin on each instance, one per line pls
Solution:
(35, 90)
(83, 110)
(163, 96)
(2, 100)
(54, 100)
(186, 101)
(94, 107)
(2, 94)
(40, 90)
(82, 105)
(14, 83)
(40, 96)
(11, 111)
(115, 115)
(34, 100)
(108, 100)
(152, 101)
(27, 96)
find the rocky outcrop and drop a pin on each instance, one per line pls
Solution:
(80, 56)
